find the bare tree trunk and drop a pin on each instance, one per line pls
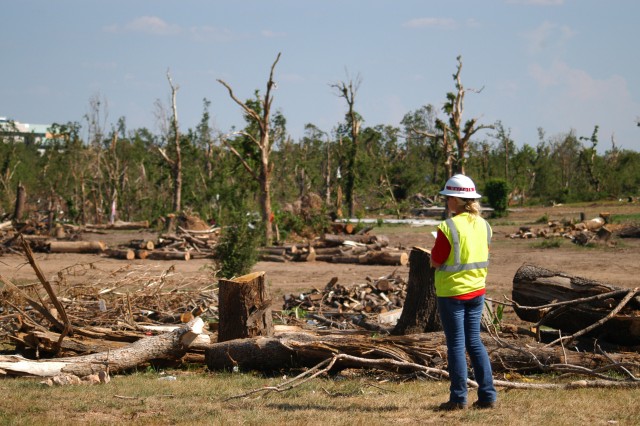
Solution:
(177, 161)
(264, 143)
(348, 92)
(21, 197)
(460, 134)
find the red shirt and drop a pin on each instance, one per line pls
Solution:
(440, 253)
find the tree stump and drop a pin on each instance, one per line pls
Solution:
(244, 308)
(420, 310)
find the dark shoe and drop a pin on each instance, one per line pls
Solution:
(452, 406)
(484, 404)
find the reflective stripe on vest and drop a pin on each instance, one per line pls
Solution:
(455, 246)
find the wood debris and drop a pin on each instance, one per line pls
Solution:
(586, 232)
(360, 248)
(375, 296)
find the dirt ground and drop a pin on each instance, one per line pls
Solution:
(618, 265)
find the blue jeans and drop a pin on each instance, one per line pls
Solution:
(461, 323)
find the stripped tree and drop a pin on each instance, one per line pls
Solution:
(173, 132)
(264, 142)
(454, 131)
(348, 91)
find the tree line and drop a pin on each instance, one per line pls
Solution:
(355, 170)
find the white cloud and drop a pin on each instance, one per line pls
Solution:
(548, 35)
(577, 84)
(146, 24)
(445, 23)
(213, 34)
(575, 99)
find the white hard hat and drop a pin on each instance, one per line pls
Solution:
(460, 186)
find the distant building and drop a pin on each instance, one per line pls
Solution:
(30, 134)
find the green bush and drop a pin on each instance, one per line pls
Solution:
(237, 250)
(497, 193)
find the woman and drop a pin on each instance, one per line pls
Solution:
(461, 256)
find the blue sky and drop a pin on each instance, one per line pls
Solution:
(555, 64)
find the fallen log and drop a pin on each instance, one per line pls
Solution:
(142, 244)
(77, 247)
(47, 342)
(142, 254)
(126, 254)
(579, 303)
(399, 258)
(630, 231)
(168, 255)
(120, 225)
(428, 349)
(345, 258)
(265, 257)
(170, 345)
(336, 239)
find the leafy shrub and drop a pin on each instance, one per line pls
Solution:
(236, 251)
(497, 193)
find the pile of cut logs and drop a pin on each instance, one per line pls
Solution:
(185, 244)
(585, 232)
(362, 248)
(374, 296)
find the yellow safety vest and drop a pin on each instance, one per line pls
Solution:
(465, 270)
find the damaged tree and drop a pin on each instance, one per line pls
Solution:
(264, 143)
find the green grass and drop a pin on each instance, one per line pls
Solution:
(626, 218)
(548, 243)
(198, 397)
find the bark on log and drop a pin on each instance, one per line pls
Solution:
(272, 250)
(165, 346)
(630, 231)
(364, 239)
(126, 254)
(272, 258)
(331, 251)
(244, 308)
(46, 342)
(399, 258)
(77, 246)
(168, 255)
(534, 286)
(345, 258)
(120, 225)
(142, 244)
(420, 310)
(429, 349)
